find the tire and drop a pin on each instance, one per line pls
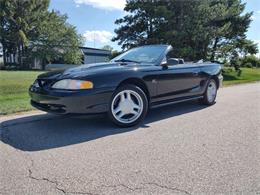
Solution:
(210, 93)
(128, 106)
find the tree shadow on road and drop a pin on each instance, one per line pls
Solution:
(45, 131)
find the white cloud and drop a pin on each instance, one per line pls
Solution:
(99, 36)
(104, 4)
(258, 12)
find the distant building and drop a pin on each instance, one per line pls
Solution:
(93, 55)
(90, 55)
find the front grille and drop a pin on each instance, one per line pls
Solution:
(55, 108)
(45, 82)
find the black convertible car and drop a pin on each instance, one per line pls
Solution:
(127, 86)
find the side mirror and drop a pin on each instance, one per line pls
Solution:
(164, 65)
(172, 61)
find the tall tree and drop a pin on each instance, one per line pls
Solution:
(57, 40)
(19, 23)
(227, 23)
(28, 29)
(142, 24)
(196, 29)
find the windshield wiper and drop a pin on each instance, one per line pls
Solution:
(126, 60)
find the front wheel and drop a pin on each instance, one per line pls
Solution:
(210, 93)
(128, 106)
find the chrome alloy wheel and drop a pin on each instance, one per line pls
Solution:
(211, 91)
(127, 106)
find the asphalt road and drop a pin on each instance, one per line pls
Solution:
(179, 149)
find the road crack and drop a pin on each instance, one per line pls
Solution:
(121, 185)
(175, 189)
(53, 182)
(56, 184)
(167, 187)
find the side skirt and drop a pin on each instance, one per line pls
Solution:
(174, 102)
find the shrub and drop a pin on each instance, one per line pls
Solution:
(239, 72)
(248, 65)
(227, 64)
(252, 59)
(227, 70)
(2, 65)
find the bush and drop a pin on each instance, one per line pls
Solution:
(2, 65)
(227, 64)
(252, 59)
(248, 65)
(239, 72)
(227, 70)
(11, 66)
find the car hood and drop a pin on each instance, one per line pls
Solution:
(91, 70)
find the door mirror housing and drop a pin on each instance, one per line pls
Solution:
(164, 64)
(172, 61)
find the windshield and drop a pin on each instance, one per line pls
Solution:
(146, 54)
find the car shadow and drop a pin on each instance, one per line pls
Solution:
(45, 131)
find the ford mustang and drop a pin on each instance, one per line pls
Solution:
(128, 86)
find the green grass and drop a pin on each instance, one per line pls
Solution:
(14, 87)
(231, 77)
(14, 90)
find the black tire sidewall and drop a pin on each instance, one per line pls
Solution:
(145, 105)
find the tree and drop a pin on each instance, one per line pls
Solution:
(17, 26)
(237, 48)
(29, 30)
(250, 61)
(114, 52)
(57, 40)
(227, 24)
(143, 23)
(108, 47)
(195, 29)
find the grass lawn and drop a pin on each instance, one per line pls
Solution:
(247, 75)
(14, 90)
(14, 87)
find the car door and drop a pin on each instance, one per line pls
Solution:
(178, 81)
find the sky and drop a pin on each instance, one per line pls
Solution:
(94, 19)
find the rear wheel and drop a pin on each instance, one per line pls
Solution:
(128, 106)
(210, 93)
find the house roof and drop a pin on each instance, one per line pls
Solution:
(95, 52)
(91, 48)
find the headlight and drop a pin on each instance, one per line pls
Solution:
(72, 84)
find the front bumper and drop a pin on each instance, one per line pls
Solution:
(92, 101)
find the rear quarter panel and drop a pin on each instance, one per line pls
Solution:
(209, 70)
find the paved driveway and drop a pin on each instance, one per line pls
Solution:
(179, 149)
